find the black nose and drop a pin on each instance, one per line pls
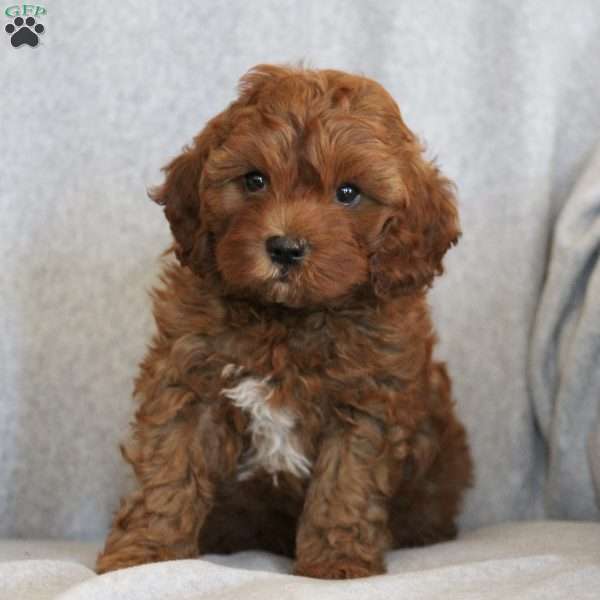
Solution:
(285, 251)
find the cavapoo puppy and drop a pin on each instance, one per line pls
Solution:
(289, 400)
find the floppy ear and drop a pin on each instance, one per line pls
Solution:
(180, 195)
(417, 236)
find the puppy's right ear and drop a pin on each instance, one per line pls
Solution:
(180, 194)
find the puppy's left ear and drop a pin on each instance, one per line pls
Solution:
(415, 239)
(180, 195)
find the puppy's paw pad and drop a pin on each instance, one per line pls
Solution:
(24, 32)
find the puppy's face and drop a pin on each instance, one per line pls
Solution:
(306, 189)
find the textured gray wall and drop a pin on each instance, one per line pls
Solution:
(507, 95)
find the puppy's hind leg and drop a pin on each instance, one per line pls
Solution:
(425, 506)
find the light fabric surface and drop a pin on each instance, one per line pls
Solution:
(550, 560)
(565, 352)
(507, 95)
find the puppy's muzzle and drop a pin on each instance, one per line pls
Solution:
(286, 251)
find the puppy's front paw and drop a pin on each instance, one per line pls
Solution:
(114, 562)
(133, 556)
(339, 569)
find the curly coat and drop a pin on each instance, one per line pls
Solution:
(297, 410)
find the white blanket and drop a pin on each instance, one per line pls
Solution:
(514, 561)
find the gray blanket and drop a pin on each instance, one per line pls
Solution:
(507, 95)
(565, 354)
(524, 561)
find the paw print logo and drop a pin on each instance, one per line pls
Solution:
(24, 32)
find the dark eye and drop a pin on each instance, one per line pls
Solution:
(348, 194)
(255, 181)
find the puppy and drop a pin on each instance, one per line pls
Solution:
(289, 400)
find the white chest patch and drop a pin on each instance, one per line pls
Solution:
(274, 445)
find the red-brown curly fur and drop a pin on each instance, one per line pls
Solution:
(365, 453)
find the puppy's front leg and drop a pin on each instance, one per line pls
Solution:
(343, 528)
(179, 455)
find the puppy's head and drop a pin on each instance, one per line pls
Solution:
(306, 189)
